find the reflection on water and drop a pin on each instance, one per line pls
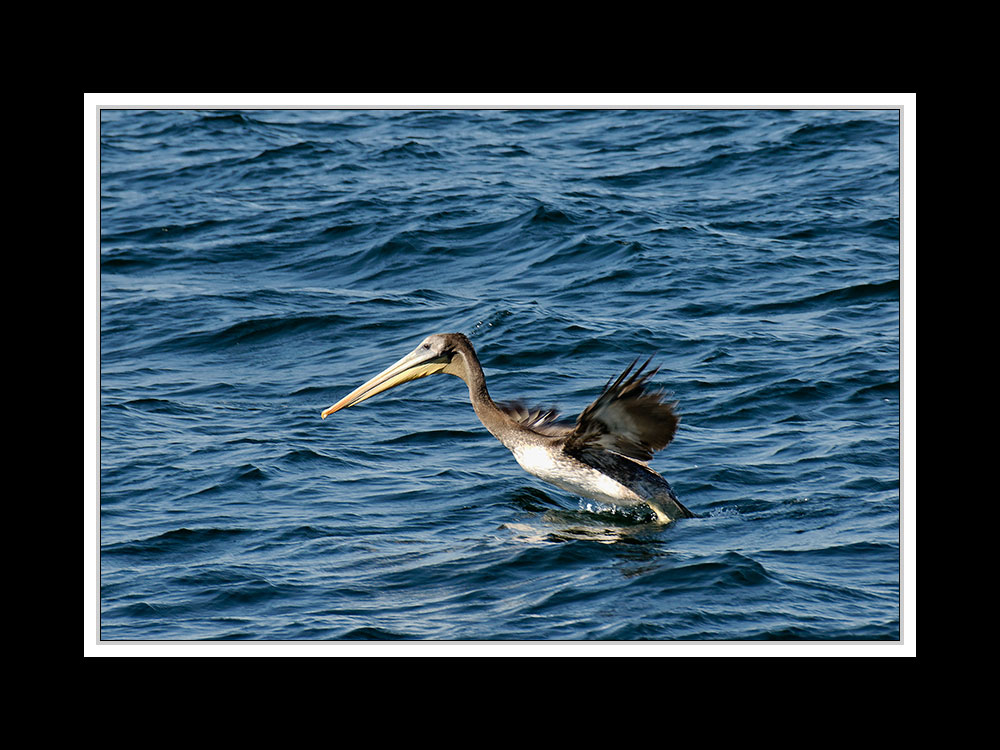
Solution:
(592, 521)
(566, 525)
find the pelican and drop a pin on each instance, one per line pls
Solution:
(601, 456)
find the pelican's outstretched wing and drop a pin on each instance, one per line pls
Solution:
(626, 418)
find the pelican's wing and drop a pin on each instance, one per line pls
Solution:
(626, 418)
(542, 421)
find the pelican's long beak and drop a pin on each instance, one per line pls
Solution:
(417, 364)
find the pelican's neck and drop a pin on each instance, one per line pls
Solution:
(465, 364)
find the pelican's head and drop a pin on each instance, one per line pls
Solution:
(434, 354)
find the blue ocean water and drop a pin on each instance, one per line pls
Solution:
(255, 266)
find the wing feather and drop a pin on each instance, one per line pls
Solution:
(626, 418)
(540, 420)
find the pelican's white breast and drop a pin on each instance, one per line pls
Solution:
(571, 475)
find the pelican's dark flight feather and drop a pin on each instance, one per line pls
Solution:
(626, 418)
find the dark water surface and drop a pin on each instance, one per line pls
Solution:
(255, 266)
